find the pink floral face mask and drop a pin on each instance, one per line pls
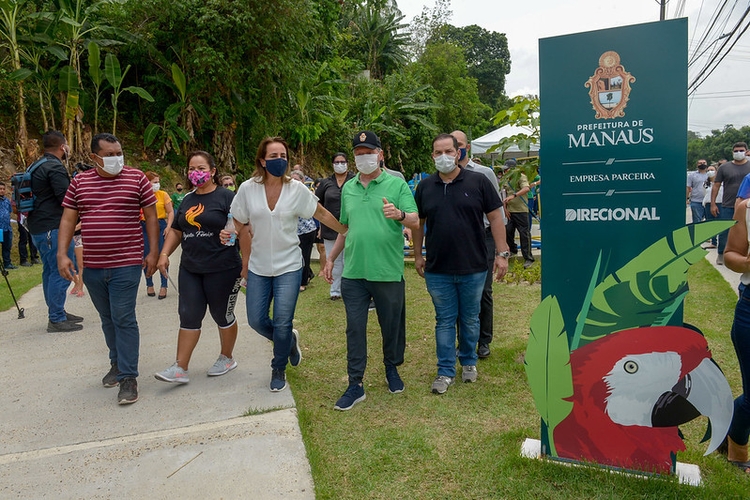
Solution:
(198, 177)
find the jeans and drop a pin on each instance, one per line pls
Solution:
(390, 305)
(725, 213)
(709, 216)
(7, 244)
(113, 292)
(455, 296)
(147, 249)
(54, 286)
(284, 290)
(739, 429)
(338, 268)
(697, 210)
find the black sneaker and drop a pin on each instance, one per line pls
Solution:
(295, 356)
(110, 379)
(278, 380)
(483, 351)
(395, 384)
(353, 395)
(73, 318)
(26, 263)
(128, 391)
(63, 326)
(36, 260)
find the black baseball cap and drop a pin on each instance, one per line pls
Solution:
(366, 139)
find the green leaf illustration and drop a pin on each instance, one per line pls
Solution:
(547, 365)
(648, 289)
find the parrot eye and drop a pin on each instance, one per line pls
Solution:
(631, 367)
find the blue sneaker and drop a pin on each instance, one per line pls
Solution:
(353, 395)
(395, 384)
(295, 356)
(278, 380)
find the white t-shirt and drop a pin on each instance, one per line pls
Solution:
(275, 247)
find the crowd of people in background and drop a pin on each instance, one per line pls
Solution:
(260, 234)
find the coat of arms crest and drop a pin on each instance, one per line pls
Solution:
(609, 87)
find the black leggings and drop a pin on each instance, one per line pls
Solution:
(306, 242)
(217, 290)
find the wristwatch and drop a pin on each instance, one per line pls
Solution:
(504, 254)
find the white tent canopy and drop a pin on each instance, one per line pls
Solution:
(482, 144)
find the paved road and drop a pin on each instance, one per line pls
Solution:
(62, 435)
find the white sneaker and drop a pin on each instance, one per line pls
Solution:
(173, 374)
(469, 373)
(223, 365)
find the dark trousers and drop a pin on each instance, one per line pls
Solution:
(486, 315)
(519, 221)
(390, 307)
(7, 245)
(306, 242)
(24, 241)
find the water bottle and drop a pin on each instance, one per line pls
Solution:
(230, 227)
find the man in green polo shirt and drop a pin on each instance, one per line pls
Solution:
(374, 206)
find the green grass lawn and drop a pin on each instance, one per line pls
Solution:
(466, 443)
(21, 280)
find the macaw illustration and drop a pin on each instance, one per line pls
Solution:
(615, 391)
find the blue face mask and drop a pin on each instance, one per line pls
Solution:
(462, 152)
(276, 166)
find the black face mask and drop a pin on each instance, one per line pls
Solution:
(179, 190)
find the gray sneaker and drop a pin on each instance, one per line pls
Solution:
(223, 365)
(720, 259)
(441, 384)
(173, 374)
(469, 373)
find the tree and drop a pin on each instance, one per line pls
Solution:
(427, 24)
(379, 35)
(443, 67)
(12, 17)
(115, 76)
(487, 55)
(717, 145)
(524, 112)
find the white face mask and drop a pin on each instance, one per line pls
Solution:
(340, 168)
(367, 164)
(738, 155)
(445, 164)
(156, 186)
(711, 174)
(113, 164)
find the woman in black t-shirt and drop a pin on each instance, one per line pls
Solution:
(209, 271)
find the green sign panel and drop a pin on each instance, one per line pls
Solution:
(614, 146)
(611, 368)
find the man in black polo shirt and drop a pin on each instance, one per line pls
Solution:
(49, 182)
(453, 203)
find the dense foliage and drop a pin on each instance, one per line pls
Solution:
(222, 75)
(716, 146)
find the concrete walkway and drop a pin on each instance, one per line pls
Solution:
(63, 435)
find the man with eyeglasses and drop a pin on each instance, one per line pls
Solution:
(696, 190)
(730, 176)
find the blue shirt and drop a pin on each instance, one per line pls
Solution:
(5, 210)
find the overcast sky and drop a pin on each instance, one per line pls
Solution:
(723, 99)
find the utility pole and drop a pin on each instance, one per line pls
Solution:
(663, 12)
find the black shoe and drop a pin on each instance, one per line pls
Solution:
(278, 380)
(395, 384)
(110, 379)
(26, 264)
(483, 351)
(73, 318)
(35, 260)
(128, 391)
(528, 263)
(63, 326)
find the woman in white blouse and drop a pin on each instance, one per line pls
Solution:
(265, 211)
